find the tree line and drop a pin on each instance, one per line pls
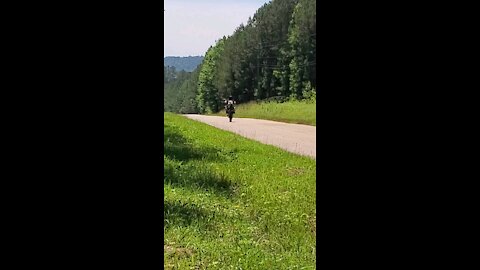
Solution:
(274, 54)
(187, 63)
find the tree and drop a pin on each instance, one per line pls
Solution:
(207, 93)
(302, 40)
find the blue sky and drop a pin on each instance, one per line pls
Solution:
(192, 26)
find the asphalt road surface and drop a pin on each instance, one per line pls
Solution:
(300, 139)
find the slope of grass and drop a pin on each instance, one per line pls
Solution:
(290, 112)
(233, 203)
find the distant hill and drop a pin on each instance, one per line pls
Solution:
(188, 63)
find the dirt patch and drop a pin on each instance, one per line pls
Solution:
(177, 251)
(295, 171)
(313, 226)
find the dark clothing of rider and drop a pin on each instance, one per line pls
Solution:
(229, 101)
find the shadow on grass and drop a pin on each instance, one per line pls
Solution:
(185, 214)
(178, 171)
(195, 177)
(177, 147)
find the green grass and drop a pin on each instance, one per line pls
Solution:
(290, 112)
(233, 203)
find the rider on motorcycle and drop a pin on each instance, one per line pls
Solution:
(229, 108)
(229, 104)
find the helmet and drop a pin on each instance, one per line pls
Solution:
(230, 98)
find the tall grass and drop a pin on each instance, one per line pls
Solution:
(233, 203)
(299, 112)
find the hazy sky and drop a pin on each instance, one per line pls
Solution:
(192, 26)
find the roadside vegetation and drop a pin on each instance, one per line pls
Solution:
(298, 112)
(233, 203)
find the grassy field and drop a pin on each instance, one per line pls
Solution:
(233, 203)
(289, 112)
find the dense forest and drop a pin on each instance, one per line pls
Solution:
(187, 63)
(180, 90)
(273, 55)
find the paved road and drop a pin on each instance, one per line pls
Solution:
(300, 139)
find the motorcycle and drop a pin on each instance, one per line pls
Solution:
(230, 112)
(229, 108)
